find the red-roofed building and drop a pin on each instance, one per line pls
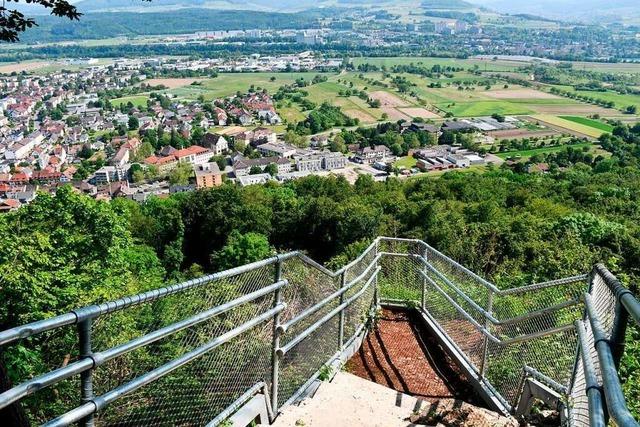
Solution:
(9, 205)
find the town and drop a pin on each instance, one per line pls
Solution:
(60, 129)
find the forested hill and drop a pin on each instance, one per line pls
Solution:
(106, 25)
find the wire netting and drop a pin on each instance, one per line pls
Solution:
(498, 332)
(604, 304)
(194, 393)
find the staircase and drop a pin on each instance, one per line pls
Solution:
(254, 339)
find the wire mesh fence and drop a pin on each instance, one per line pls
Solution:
(281, 321)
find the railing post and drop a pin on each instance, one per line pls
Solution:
(487, 325)
(343, 279)
(275, 359)
(423, 296)
(86, 377)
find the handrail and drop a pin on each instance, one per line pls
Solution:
(611, 382)
(76, 316)
(611, 391)
(309, 311)
(487, 333)
(592, 388)
(96, 359)
(100, 402)
(489, 316)
(295, 341)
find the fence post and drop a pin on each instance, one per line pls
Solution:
(487, 326)
(343, 278)
(86, 377)
(423, 296)
(275, 359)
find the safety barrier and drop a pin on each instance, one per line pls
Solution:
(195, 352)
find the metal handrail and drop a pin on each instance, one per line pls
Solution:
(616, 404)
(611, 391)
(100, 402)
(592, 388)
(489, 316)
(309, 311)
(295, 341)
(487, 333)
(76, 316)
(96, 359)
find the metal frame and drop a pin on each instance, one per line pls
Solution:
(609, 349)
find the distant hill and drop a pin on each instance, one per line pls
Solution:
(446, 4)
(106, 25)
(88, 6)
(596, 11)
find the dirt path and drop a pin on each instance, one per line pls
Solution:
(400, 354)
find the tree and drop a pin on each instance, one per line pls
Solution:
(290, 137)
(76, 251)
(13, 22)
(338, 144)
(134, 124)
(180, 174)
(241, 249)
(255, 170)
(271, 169)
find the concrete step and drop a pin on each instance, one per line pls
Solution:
(351, 401)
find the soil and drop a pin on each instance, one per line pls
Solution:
(419, 112)
(401, 354)
(388, 99)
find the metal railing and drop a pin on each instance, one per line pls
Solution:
(195, 352)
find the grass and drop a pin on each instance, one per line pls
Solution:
(405, 162)
(589, 122)
(570, 125)
(484, 108)
(620, 100)
(136, 100)
(429, 62)
(542, 150)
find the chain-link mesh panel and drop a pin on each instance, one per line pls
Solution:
(307, 287)
(604, 304)
(530, 326)
(552, 355)
(198, 391)
(461, 302)
(37, 355)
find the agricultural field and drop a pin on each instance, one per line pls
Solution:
(605, 127)
(480, 96)
(525, 154)
(620, 100)
(569, 125)
(484, 65)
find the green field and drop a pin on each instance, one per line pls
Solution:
(405, 162)
(524, 154)
(620, 100)
(589, 122)
(429, 62)
(570, 125)
(484, 108)
(137, 100)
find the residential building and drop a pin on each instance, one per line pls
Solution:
(208, 175)
(216, 143)
(109, 174)
(369, 155)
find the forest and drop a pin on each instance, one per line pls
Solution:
(67, 250)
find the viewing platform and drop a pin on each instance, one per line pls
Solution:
(402, 335)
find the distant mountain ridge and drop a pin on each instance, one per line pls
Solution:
(595, 11)
(92, 6)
